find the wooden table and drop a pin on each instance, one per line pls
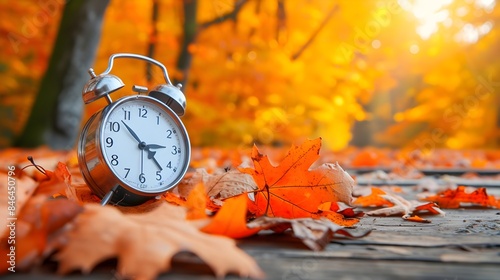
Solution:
(465, 244)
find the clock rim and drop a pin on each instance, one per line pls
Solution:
(184, 137)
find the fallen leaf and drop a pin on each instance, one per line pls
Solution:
(291, 189)
(395, 205)
(38, 216)
(81, 194)
(228, 184)
(456, 198)
(16, 190)
(374, 199)
(415, 218)
(44, 157)
(38, 223)
(231, 219)
(196, 203)
(55, 181)
(337, 218)
(366, 158)
(220, 185)
(101, 233)
(314, 233)
(339, 213)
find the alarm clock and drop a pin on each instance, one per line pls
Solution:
(136, 147)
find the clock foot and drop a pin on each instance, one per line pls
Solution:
(107, 197)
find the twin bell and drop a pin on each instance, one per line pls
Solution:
(103, 84)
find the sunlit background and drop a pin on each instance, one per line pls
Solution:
(421, 73)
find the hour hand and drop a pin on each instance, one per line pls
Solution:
(132, 132)
(151, 155)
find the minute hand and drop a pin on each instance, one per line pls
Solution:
(154, 146)
(132, 132)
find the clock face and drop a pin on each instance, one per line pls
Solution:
(145, 144)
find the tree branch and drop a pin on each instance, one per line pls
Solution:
(227, 16)
(316, 32)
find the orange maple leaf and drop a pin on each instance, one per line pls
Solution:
(231, 220)
(453, 198)
(291, 189)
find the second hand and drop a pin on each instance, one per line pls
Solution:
(142, 166)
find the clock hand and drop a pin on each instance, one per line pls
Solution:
(143, 146)
(154, 146)
(132, 132)
(142, 161)
(151, 155)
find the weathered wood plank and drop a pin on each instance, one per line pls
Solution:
(464, 244)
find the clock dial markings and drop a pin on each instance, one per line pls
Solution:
(163, 150)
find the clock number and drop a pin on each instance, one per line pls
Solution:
(143, 112)
(142, 178)
(175, 150)
(158, 176)
(157, 120)
(169, 134)
(109, 142)
(114, 160)
(126, 115)
(126, 174)
(169, 165)
(114, 126)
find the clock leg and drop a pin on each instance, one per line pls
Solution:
(108, 197)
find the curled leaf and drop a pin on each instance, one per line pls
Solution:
(314, 233)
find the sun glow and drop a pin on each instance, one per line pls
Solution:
(433, 13)
(428, 13)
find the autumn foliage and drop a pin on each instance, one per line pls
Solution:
(379, 72)
(59, 215)
(297, 194)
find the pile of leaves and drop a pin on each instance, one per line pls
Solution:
(59, 218)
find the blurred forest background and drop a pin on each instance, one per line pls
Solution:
(394, 73)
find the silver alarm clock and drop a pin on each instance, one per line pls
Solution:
(136, 147)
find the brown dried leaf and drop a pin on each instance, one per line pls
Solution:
(314, 233)
(145, 243)
(24, 188)
(220, 185)
(397, 205)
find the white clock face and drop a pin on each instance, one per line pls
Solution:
(144, 145)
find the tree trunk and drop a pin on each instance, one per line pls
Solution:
(153, 37)
(189, 27)
(56, 114)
